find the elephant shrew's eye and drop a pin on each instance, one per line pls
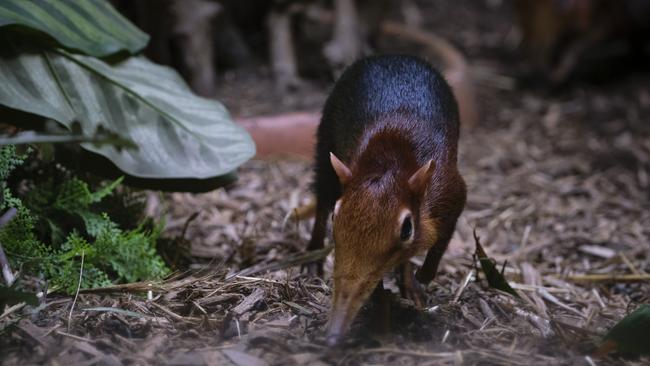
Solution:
(407, 228)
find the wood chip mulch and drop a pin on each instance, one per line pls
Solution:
(555, 191)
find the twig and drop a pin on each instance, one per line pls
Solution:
(126, 287)
(398, 351)
(82, 339)
(525, 287)
(544, 325)
(188, 222)
(276, 282)
(629, 264)
(11, 309)
(238, 328)
(76, 295)
(590, 361)
(598, 298)
(291, 261)
(174, 315)
(546, 295)
(466, 280)
(300, 213)
(609, 277)
(7, 274)
(445, 336)
(55, 327)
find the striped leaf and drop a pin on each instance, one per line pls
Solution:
(630, 335)
(179, 135)
(93, 27)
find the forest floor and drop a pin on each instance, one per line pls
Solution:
(558, 188)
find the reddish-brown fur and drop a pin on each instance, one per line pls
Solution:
(386, 151)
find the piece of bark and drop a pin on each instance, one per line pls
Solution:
(250, 301)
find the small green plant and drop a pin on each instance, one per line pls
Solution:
(60, 220)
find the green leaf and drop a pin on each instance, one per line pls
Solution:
(93, 27)
(105, 191)
(73, 195)
(630, 335)
(94, 223)
(179, 135)
(494, 277)
(8, 161)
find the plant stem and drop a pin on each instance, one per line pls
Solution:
(7, 274)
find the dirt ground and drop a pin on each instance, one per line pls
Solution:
(558, 188)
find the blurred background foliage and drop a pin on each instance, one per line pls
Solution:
(558, 40)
